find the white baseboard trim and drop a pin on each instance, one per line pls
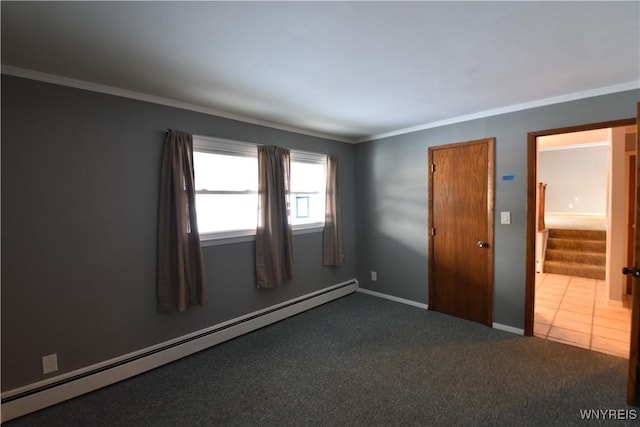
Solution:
(508, 328)
(392, 298)
(36, 396)
(499, 326)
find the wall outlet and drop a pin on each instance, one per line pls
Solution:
(49, 363)
(374, 276)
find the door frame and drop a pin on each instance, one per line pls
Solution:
(490, 141)
(633, 387)
(532, 150)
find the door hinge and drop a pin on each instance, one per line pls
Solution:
(433, 167)
(433, 231)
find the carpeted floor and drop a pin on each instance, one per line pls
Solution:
(362, 361)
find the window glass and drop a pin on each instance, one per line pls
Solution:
(226, 181)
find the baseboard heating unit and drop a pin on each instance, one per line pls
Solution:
(33, 397)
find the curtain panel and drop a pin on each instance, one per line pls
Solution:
(274, 243)
(332, 244)
(180, 265)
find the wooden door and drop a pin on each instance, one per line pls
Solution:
(461, 230)
(633, 385)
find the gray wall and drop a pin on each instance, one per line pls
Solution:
(391, 203)
(575, 173)
(80, 174)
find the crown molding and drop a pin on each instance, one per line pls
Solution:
(116, 91)
(510, 109)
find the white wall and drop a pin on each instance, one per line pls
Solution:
(576, 179)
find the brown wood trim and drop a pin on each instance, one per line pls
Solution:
(430, 227)
(632, 376)
(460, 144)
(631, 217)
(529, 295)
(530, 278)
(585, 127)
(490, 223)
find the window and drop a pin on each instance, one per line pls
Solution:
(226, 180)
(308, 188)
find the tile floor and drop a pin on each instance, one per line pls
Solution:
(577, 311)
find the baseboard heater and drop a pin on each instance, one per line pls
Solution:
(33, 397)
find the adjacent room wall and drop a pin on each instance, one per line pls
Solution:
(80, 179)
(391, 202)
(576, 179)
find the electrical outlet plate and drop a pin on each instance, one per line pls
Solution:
(374, 276)
(49, 363)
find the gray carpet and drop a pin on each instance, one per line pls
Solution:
(362, 361)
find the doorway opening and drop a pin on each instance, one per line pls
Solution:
(579, 235)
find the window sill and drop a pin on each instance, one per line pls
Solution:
(228, 240)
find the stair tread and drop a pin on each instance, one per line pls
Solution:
(574, 264)
(578, 251)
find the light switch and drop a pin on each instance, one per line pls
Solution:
(505, 217)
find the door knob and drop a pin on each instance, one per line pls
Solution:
(482, 244)
(633, 271)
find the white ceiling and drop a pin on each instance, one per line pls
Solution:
(346, 70)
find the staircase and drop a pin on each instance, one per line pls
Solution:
(580, 253)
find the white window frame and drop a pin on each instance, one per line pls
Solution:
(247, 149)
(298, 156)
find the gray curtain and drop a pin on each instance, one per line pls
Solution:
(180, 266)
(332, 245)
(274, 245)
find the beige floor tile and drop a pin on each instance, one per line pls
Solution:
(578, 308)
(613, 334)
(585, 280)
(585, 302)
(544, 315)
(612, 323)
(609, 346)
(580, 294)
(582, 286)
(556, 278)
(584, 317)
(547, 302)
(555, 291)
(569, 337)
(574, 316)
(606, 302)
(615, 313)
(541, 329)
(572, 325)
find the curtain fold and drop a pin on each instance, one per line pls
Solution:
(180, 265)
(274, 244)
(332, 244)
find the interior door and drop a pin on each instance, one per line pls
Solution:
(633, 386)
(461, 229)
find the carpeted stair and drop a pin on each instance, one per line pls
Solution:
(580, 253)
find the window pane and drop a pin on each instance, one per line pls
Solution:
(225, 212)
(307, 208)
(218, 172)
(307, 177)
